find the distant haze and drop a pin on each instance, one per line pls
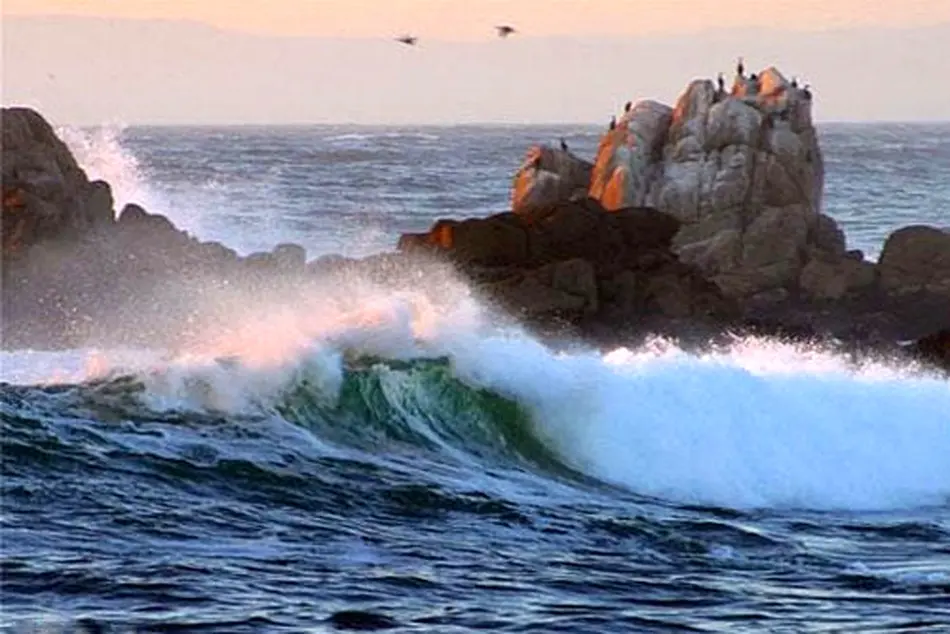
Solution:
(92, 70)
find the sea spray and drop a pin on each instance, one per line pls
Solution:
(762, 424)
(100, 152)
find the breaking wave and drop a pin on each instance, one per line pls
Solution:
(760, 425)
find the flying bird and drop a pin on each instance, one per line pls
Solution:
(408, 40)
(504, 30)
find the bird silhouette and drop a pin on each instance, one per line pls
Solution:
(504, 30)
(409, 40)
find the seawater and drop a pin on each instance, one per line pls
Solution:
(381, 458)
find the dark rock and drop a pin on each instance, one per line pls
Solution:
(134, 220)
(561, 289)
(934, 349)
(100, 204)
(46, 195)
(644, 228)
(289, 257)
(361, 621)
(916, 258)
(831, 279)
(574, 230)
(827, 236)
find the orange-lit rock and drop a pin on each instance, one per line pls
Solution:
(742, 171)
(547, 176)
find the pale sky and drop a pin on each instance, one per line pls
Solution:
(468, 19)
(334, 61)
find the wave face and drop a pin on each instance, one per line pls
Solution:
(761, 425)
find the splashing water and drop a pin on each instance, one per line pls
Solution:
(760, 425)
(100, 153)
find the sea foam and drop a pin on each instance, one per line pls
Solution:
(760, 425)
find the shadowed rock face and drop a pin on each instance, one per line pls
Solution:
(573, 260)
(916, 258)
(45, 193)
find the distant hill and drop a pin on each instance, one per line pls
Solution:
(89, 70)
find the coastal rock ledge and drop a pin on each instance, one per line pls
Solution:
(684, 225)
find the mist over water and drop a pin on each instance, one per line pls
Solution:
(400, 450)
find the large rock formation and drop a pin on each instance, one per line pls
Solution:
(574, 261)
(73, 272)
(45, 193)
(742, 171)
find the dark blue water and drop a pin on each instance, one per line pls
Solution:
(371, 457)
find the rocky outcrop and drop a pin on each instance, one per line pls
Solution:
(933, 350)
(827, 278)
(45, 193)
(549, 176)
(916, 259)
(75, 274)
(742, 171)
(573, 260)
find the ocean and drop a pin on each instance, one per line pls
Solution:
(382, 459)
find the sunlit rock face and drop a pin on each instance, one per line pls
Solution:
(741, 170)
(548, 176)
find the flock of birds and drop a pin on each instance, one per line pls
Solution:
(503, 31)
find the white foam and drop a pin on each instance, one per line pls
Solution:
(762, 425)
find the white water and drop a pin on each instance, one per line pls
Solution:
(762, 425)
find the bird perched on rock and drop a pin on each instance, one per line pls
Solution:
(613, 123)
(740, 68)
(504, 30)
(409, 40)
(563, 145)
(627, 106)
(721, 82)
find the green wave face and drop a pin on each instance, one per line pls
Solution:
(384, 403)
